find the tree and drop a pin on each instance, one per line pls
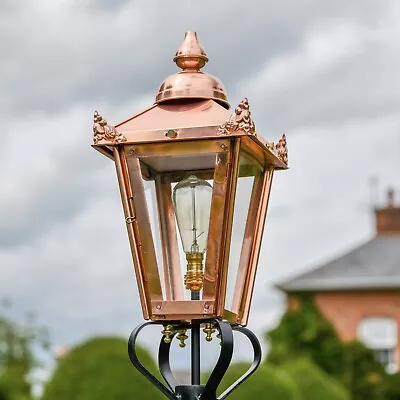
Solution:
(313, 383)
(16, 355)
(304, 332)
(267, 382)
(100, 369)
(3, 395)
(392, 387)
(366, 376)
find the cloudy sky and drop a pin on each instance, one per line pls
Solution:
(325, 73)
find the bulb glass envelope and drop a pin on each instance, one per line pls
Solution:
(160, 147)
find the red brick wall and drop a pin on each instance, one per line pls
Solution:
(346, 310)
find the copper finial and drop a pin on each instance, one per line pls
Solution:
(190, 55)
(191, 83)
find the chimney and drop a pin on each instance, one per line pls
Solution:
(390, 198)
(388, 217)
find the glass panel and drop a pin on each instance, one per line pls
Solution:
(242, 234)
(151, 200)
(140, 224)
(177, 185)
(169, 240)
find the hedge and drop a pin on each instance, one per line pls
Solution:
(313, 383)
(268, 382)
(100, 369)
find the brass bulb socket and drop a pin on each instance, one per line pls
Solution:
(194, 274)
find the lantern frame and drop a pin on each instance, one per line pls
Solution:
(145, 147)
(189, 131)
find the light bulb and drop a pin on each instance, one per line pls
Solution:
(192, 201)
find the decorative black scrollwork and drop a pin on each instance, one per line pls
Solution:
(203, 392)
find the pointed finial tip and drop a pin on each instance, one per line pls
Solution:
(190, 55)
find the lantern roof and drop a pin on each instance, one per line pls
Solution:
(190, 82)
(188, 114)
(190, 105)
(191, 120)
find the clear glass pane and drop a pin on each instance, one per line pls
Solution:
(189, 212)
(151, 200)
(240, 242)
(242, 202)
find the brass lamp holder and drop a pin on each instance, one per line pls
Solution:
(195, 391)
(194, 276)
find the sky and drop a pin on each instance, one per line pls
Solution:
(324, 73)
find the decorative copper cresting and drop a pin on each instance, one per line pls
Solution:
(104, 132)
(188, 169)
(240, 120)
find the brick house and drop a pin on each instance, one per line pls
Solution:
(359, 292)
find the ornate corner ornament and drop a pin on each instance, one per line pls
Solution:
(103, 131)
(240, 120)
(281, 149)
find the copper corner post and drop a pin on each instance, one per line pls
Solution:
(130, 218)
(180, 165)
(245, 290)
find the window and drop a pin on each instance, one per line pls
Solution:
(380, 335)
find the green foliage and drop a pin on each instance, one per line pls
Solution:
(100, 369)
(304, 332)
(392, 387)
(16, 356)
(267, 382)
(298, 379)
(3, 395)
(313, 383)
(365, 375)
(13, 381)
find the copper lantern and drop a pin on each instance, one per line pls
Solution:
(195, 181)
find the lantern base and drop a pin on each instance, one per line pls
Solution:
(195, 391)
